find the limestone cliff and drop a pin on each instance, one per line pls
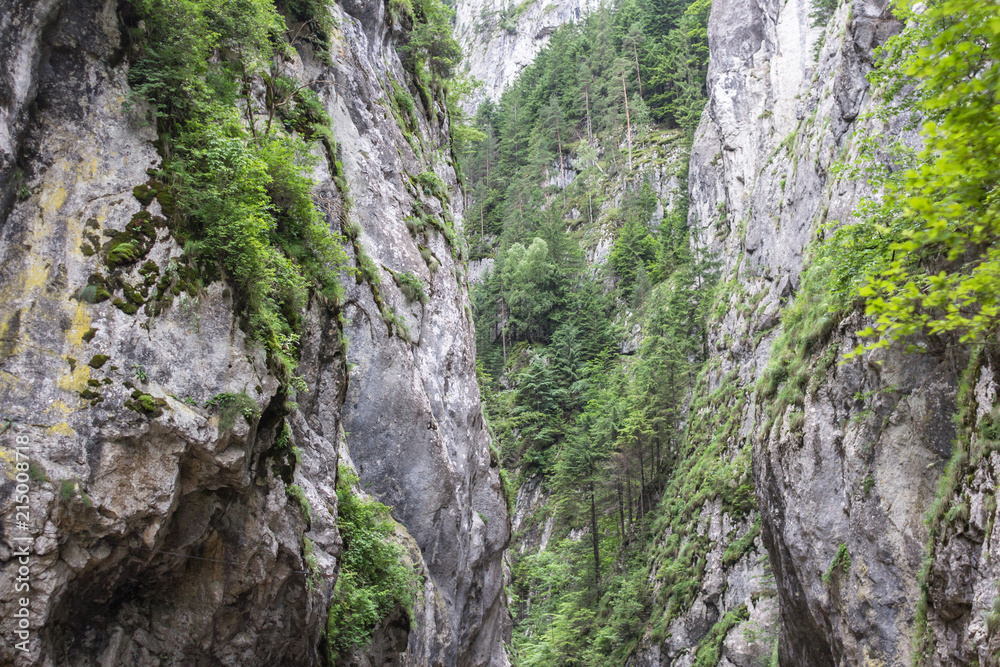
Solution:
(161, 530)
(846, 453)
(501, 38)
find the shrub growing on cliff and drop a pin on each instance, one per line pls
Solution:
(230, 406)
(941, 273)
(374, 580)
(240, 189)
(431, 41)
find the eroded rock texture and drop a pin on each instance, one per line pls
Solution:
(162, 534)
(501, 38)
(844, 476)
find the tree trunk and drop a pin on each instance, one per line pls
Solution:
(642, 484)
(562, 168)
(621, 511)
(628, 123)
(503, 332)
(593, 530)
(637, 75)
(628, 491)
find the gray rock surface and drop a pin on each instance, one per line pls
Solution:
(856, 467)
(501, 37)
(167, 536)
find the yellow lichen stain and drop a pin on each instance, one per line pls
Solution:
(76, 380)
(37, 273)
(62, 428)
(8, 380)
(80, 326)
(9, 459)
(61, 407)
(52, 199)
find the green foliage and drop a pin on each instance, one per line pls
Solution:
(411, 286)
(509, 490)
(312, 562)
(36, 473)
(807, 325)
(841, 561)
(239, 194)
(602, 430)
(710, 648)
(950, 503)
(374, 579)
(738, 548)
(822, 10)
(432, 185)
(229, 406)
(316, 13)
(939, 273)
(431, 42)
(298, 494)
(67, 489)
(633, 251)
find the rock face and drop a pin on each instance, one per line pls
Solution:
(844, 476)
(160, 531)
(500, 37)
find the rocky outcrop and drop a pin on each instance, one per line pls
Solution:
(500, 37)
(845, 472)
(159, 529)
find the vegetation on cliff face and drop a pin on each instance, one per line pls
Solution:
(374, 579)
(236, 168)
(240, 136)
(600, 428)
(601, 94)
(924, 255)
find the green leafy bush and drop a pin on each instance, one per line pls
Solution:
(230, 406)
(411, 286)
(431, 41)
(299, 495)
(938, 275)
(432, 184)
(374, 578)
(241, 194)
(841, 560)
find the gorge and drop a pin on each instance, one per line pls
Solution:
(313, 352)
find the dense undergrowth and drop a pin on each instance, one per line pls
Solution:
(598, 427)
(235, 173)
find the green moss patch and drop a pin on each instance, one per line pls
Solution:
(129, 246)
(145, 404)
(98, 360)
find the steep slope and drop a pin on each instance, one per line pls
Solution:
(157, 529)
(793, 525)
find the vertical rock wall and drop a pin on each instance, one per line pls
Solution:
(502, 37)
(843, 479)
(160, 533)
